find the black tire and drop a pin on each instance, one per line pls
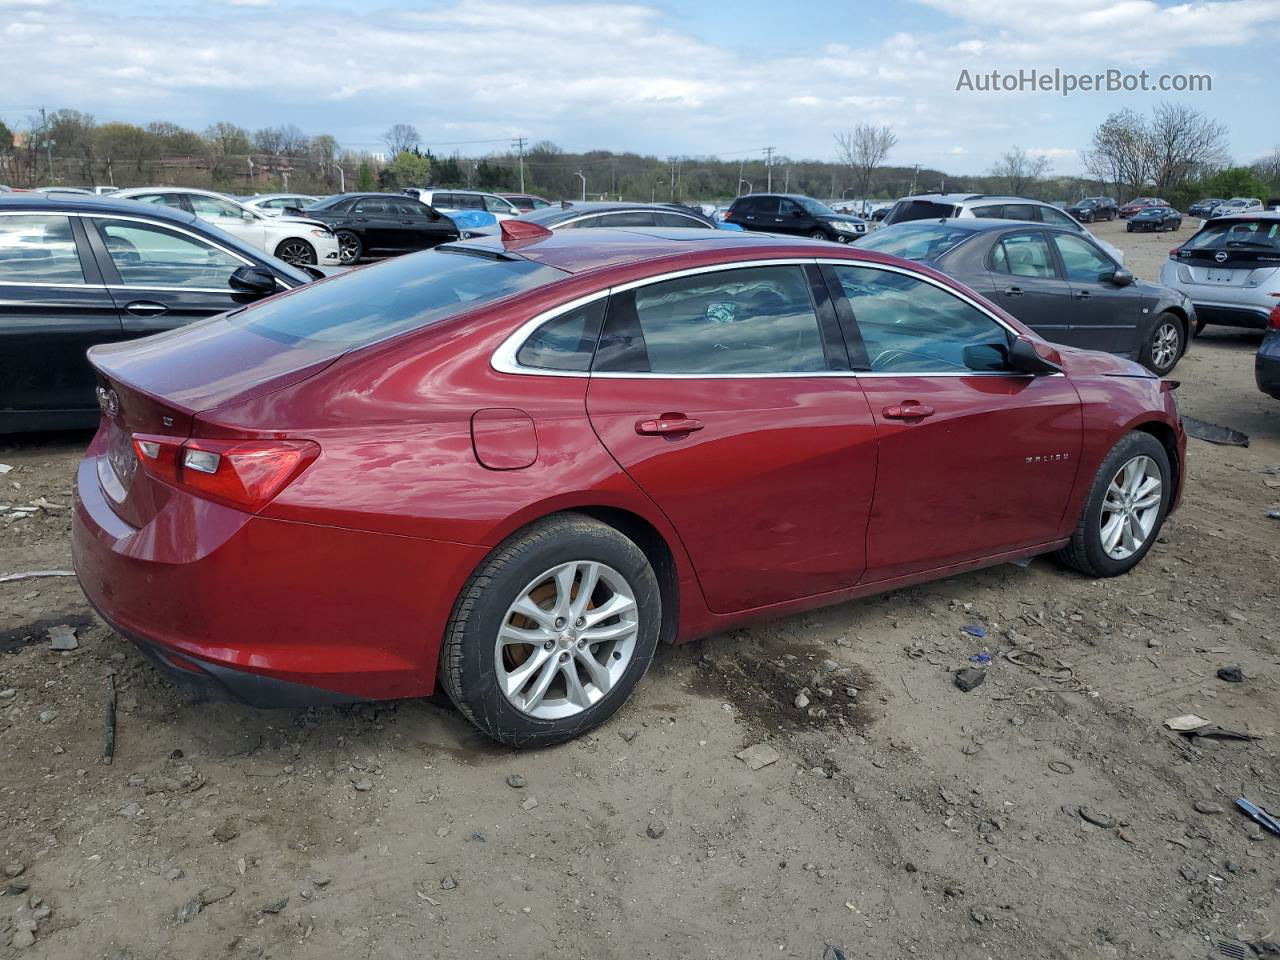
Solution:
(1167, 329)
(350, 248)
(468, 666)
(1085, 552)
(818, 235)
(296, 251)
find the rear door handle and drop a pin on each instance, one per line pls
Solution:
(908, 411)
(668, 423)
(146, 308)
(1013, 292)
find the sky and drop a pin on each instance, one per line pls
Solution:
(715, 77)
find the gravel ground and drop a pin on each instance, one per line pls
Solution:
(1047, 814)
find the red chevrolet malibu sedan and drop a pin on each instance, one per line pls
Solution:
(511, 467)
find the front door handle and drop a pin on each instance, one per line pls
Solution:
(910, 410)
(1013, 292)
(1082, 294)
(667, 424)
(146, 308)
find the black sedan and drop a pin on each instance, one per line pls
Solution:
(1204, 208)
(81, 270)
(1266, 366)
(381, 224)
(1154, 218)
(1057, 281)
(1091, 209)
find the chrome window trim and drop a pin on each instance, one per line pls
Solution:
(98, 215)
(503, 359)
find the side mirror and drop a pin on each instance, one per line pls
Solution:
(292, 211)
(256, 280)
(1024, 358)
(1121, 278)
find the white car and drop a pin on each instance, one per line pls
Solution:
(1236, 205)
(275, 204)
(451, 201)
(294, 240)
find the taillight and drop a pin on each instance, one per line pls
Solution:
(1273, 321)
(245, 474)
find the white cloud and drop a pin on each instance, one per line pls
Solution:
(591, 73)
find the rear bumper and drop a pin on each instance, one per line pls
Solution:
(268, 611)
(1266, 366)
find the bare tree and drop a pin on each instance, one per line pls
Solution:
(1118, 153)
(863, 149)
(401, 137)
(1019, 170)
(226, 141)
(1268, 168)
(268, 140)
(1183, 145)
(293, 142)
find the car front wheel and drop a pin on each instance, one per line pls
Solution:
(349, 248)
(552, 633)
(1125, 510)
(297, 252)
(1164, 345)
(817, 235)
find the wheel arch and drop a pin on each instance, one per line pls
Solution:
(659, 543)
(1169, 440)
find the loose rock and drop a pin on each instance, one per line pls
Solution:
(1097, 819)
(969, 678)
(655, 830)
(515, 781)
(758, 755)
(1208, 807)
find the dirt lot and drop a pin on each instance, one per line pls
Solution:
(912, 820)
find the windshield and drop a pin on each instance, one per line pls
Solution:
(916, 241)
(394, 296)
(1260, 234)
(905, 210)
(816, 208)
(1087, 203)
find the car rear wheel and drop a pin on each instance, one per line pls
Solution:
(1165, 344)
(552, 633)
(297, 252)
(1125, 510)
(349, 247)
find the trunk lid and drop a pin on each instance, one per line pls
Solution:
(159, 385)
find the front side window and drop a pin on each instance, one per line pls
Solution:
(1023, 255)
(540, 204)
(990, 212)
(211, 208)
(909, 326)
(497, 205)
(149, 255)
(744, 321)
(38, 248)
(1083, 262)
(566, 342)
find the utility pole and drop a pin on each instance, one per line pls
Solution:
(48, 144)
(518, 143)
(768, 167)
(579, 175)
(915, 172)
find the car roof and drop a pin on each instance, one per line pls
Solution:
(579, 251)
(566, 210)
(106, 204)
(967, 197)
(1242, 217)
(981, 225)
(162, 188)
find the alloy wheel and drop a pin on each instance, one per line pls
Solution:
(1131, 507)
(817, 235)
(348, 248)
(296, 252)
(1164, 345)
(566, 640)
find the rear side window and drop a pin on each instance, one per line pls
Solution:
(765, 206)
(1057, 217)
(1023, 255)
(628, 218)
(678, 220)
(393, 296)
(905, 211)
(992, 211)
(1021, 211)
(909, 326)
(38, 249)
(566, 342)
(751, 320)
